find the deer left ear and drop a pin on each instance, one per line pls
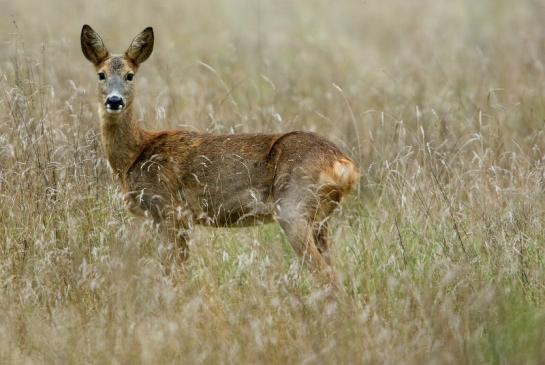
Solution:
(141, 46)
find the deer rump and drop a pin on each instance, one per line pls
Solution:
(235, 180)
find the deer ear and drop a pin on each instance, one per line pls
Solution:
(92, 46)
(141, 46)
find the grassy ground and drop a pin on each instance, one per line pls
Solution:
(441, 104)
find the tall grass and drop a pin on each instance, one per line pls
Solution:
(441, 250)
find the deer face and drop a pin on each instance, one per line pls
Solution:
(115, 73)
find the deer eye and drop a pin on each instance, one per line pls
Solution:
(129, 77)
(101, 76)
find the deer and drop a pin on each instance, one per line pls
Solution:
(179, 178)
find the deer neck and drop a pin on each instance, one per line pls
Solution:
(122, 139)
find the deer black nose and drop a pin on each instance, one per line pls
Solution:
(114, 102)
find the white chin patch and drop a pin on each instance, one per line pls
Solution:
(114, 111)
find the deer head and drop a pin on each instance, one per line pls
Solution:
(116, 72)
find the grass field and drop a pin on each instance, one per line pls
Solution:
(441, 250)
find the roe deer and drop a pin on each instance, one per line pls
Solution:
(180, 178)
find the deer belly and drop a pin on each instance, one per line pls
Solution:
(243, 208)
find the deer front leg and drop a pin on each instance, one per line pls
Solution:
(173, 224)
(174, 251)
(179, 235)
(177, 226)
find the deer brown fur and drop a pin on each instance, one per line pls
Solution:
(180, 178)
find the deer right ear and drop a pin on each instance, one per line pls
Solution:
(92, 46)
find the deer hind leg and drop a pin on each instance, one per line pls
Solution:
(299, 229)
(328, 200)
(322, 240)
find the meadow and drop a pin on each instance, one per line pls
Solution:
(440, 250)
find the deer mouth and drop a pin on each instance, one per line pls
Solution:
(114, 110)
